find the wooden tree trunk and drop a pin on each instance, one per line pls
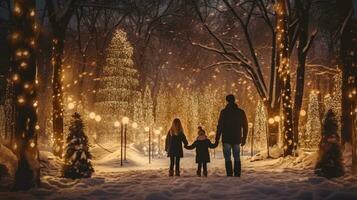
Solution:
(300, 71)
(348, 52)
(24, 79)
(284, 74)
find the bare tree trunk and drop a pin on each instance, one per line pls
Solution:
(57, 98)
(24, 77)
(59, 22)
(349, 68)
(303, 47)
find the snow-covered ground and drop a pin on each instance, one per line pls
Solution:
(275, 179)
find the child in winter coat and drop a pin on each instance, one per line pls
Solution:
(202, 144)
(173, 146)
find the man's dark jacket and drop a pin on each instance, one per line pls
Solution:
(232, 125)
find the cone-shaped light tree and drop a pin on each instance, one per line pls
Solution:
(118, 83)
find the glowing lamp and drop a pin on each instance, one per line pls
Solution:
(116, 124)
(250, 125)
(277, 118)
(71, 106)
(271, 120)
(98, 118)
(302, 113)
(134, 125)
(92, 115)
(146, 129)
(125, 120)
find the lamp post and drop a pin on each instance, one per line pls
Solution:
(250, 125)
(121, 144)
(125, 121)
(147, 129)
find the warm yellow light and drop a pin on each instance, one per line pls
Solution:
(92, 115)
(250, 125)
(37, 127)
(125, 120)
(271, 120)
(134, 125)
(147, 129)
(71, 106)
(302, 113)
(116, 124)
(157, 132)
(21, 100)
(17, 9)
(23, 64)
(277, 118)
(32, 145)
(32, 13)
(98, 118)
(15, 77)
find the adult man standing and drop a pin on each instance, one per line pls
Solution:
(233, 127)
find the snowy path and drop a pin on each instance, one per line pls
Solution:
(260, 180)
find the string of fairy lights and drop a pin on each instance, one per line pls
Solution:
(23, 39)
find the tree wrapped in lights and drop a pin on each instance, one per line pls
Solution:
(284, 73)
(162, 108)
(193, 115)
(23, 41)
(333, 101)
(260, 127)
(77, 157)
(138, 113)
(148, 106)
(311, 138)
(118, 83)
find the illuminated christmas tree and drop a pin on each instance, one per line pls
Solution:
(77, 157)
(118, 84)
(311, 137)
(333, 101)
(162, 111)
(260, 127)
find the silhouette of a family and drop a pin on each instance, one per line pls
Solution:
(232, 126)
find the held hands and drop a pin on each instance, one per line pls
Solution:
(243, 143)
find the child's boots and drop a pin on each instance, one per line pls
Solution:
(171, 172)
(199, 173)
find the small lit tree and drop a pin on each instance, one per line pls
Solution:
(260, 127)
(311, 137)
(77, 157)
